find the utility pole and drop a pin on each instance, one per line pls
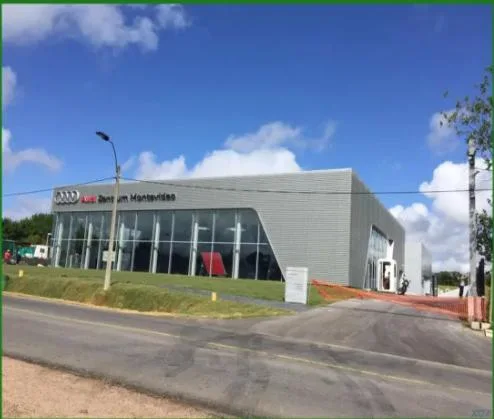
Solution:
(109, 260)
(472, 221)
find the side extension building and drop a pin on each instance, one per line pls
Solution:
(248, 227)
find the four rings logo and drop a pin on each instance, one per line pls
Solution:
(67, 197)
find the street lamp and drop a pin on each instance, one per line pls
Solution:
(109, 260)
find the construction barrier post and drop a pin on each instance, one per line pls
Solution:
(21, 273)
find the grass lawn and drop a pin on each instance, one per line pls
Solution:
(142, 298)
(264, 290)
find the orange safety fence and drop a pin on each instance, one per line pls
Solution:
(468, 308)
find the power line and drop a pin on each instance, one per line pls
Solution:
(36, 191)
(273, 191)
(217, 188)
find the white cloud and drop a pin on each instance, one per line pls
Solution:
(441, 137)
(268, 136)
(172, 16)
(100, 25)
(443, 226)
(26, 207)
(9, 82)
(265, 151)
(12, 159)
(219, 163)
(454, 176)
(277, 134)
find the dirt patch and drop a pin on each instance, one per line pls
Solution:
(30, 390)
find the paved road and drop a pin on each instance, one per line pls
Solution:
(388, 328)
(238, 371)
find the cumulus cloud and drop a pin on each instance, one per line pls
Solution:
(265, 151)
(9, 82)
(11, 158)
(443, 224)
(100, 25)
(26, 207)
(441, 137)
(277, 134)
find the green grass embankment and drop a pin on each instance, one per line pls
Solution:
(141, 298)
(264, 290)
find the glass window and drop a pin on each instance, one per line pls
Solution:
(165, 220)
(142, 256)
(94, 227)
(145, 226)
(268, 267)
(205, 262)
(73, 256)
(249, 222)
(224, 230)
(124, 255)
(79, 226)
(65, 225)
(162, 262)
(263, 238)
(105, 226)
(182, 229)
(180, 258)
(247, 268)
(127, 222)
(222, 260)
(63, 253)
(205, 226)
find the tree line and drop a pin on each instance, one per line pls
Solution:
(31, 230)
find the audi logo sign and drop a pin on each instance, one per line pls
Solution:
(67, 197)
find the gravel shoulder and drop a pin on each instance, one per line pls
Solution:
(30, 390)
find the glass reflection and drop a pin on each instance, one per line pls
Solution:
(180, 258)
(247, 268)
(165, 219)
(268, 267)
(222, 261)
(163, 258)
(224, 231)
(145, 226)
(142, 256)
(182, 230)
(205, 226)
(249, 222)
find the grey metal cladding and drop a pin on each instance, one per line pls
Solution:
(367, 211)
(304, 229)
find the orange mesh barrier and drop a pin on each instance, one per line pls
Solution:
(470, 308)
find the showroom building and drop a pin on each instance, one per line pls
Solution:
(248, 227)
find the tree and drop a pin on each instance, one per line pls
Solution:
(472, 120)
(32, 230)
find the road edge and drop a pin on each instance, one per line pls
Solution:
(155, 314)
(218, 410)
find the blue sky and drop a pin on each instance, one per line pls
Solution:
(348, 86)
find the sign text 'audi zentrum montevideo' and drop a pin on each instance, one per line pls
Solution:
(73, 197)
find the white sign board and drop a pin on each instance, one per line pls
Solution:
(296, 285)
(105, 256)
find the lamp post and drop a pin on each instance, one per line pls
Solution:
(109, 260)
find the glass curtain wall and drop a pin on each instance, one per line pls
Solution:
(378, 246)
(213, 243)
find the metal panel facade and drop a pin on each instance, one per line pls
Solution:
(307, 224)
(367, 211)
(418, 268)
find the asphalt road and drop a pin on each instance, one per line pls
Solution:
(229, 368)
